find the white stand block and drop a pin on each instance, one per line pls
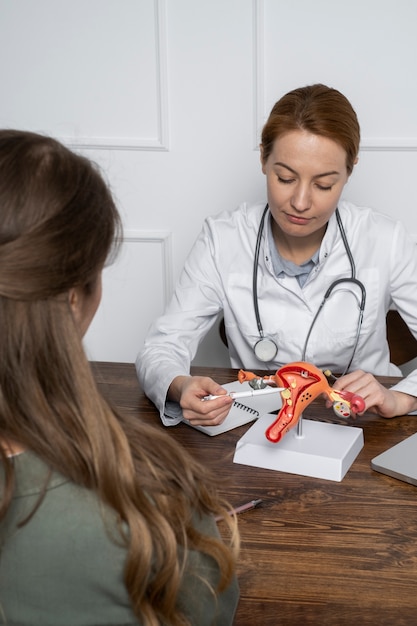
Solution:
(320, 450)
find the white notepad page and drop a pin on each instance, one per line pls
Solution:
(244, 410)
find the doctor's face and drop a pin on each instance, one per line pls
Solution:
(305, 176)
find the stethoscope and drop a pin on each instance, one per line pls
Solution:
(265, 348)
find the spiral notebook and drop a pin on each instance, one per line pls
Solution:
(243, 411)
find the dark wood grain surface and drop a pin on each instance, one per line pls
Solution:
(316, 551)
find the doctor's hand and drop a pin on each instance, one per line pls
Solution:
(188, 391)
(377, 398)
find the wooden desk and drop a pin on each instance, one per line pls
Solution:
(316, 551)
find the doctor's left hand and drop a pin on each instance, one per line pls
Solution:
(189, 391)
(378, 399)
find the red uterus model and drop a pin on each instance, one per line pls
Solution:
(302, 383)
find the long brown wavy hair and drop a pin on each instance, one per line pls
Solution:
(58, 225)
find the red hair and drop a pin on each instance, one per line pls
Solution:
(320, 110)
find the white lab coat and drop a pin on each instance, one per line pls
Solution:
(217, 276)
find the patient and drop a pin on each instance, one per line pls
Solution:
(103, 519)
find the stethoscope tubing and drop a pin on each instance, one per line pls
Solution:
(255, 273)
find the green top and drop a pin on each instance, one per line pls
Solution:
(62, 568)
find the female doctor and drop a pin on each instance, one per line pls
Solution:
(306, 276)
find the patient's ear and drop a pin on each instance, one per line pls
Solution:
(75, 300)
(82, 307)
(84, 303)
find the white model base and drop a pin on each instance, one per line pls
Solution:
(320, 450)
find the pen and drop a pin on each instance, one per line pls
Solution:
(242, 508)
(252, 393)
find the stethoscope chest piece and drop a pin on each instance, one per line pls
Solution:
(265, 349)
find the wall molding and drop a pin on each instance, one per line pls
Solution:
(258, 70)
(161, 141)
(164, 240)
(368, 144)
(389, 144)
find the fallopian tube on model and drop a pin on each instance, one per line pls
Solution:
(302, 383)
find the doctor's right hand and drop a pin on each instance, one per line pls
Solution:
(189, 392)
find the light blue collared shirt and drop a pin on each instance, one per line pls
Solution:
(282, 266)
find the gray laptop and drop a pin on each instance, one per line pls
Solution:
(400, 461)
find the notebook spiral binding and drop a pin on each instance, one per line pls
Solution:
(244, 407)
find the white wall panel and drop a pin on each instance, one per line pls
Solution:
(136, 288)
(89, 72)
(367, 49)
(384, 180)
